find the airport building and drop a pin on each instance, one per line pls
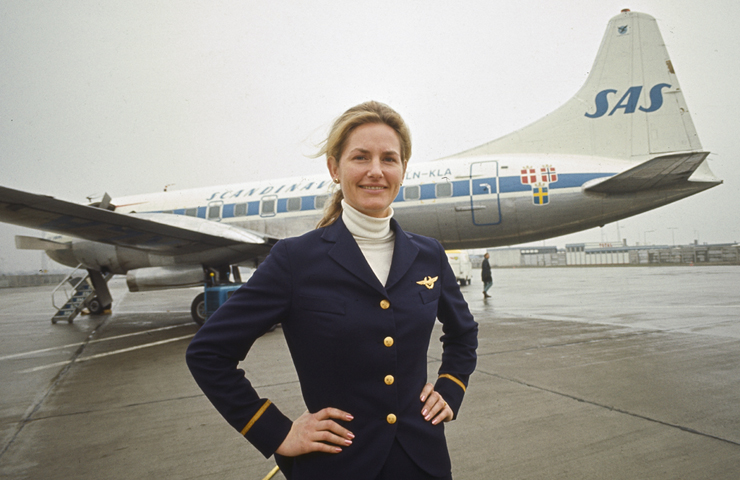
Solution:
(616, 254)
(527, 257)
(35, 280)
(599, 254)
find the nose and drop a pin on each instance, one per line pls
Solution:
(376, 170)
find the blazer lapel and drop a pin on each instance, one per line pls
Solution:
(347, 253)
(404, 254)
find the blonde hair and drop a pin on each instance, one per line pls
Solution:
(364, 113)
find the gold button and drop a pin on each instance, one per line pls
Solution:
(391, 418)
(388, 341)
(385, 304)
(389, 379)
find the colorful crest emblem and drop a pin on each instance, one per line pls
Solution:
(540, 182)
(529, 175)
(547, 174)
(541, 194)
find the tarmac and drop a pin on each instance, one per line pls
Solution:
(583, 373)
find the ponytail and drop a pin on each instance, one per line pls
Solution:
(332, 210)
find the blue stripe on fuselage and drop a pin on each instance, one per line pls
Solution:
(460, 188)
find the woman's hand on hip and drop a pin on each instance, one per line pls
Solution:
(435, 408)
(317, 432)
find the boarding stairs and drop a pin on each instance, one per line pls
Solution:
(77, 291)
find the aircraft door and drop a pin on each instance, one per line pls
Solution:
(485, 204)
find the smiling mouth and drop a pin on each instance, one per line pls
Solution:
(368, 187)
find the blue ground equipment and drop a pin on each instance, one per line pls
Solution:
(216, 295)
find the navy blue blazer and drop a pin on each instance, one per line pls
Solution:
(347, 334)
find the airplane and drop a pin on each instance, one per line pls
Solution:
(622, 145)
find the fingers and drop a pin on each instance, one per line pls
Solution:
(317, 432)
(445, 414)
(435, 408)
(333, 413)
(324, 429)
(329, 430)
(426, 391)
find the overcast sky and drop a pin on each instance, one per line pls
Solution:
(126, 97)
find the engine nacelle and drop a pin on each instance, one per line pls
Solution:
(160, 278)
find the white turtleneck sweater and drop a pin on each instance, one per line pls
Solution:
(374, 236)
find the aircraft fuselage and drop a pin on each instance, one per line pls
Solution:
(465, 203)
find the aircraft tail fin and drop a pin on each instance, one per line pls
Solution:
(630, 107)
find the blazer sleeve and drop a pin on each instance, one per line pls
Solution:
(459, 342)
(225, 339)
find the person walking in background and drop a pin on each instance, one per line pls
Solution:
(486, 275)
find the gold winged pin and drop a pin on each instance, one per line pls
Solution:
(428, 282)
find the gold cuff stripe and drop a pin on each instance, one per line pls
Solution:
(256, 417)
(447, 375)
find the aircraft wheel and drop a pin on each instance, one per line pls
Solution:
(198, 309)
(95, 306)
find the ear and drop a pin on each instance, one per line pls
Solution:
(333, 166)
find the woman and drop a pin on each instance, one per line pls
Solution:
(357, 299)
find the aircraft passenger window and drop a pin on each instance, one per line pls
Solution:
(411, 193)
(268, 207)
(294, 204)
(320, 201)
(444, 190)
(240, 209)
(214, 211)
(191, 212)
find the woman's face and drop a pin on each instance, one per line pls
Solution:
(370, 170)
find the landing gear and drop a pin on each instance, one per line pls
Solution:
(198, 309)
(96, 307)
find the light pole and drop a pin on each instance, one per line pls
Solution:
(644, 236)
(673, 238)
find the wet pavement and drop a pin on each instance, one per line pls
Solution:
(613, 373)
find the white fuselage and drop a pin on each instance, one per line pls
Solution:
(464, 203)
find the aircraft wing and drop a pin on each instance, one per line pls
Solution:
(156, 232)
(660, 172)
